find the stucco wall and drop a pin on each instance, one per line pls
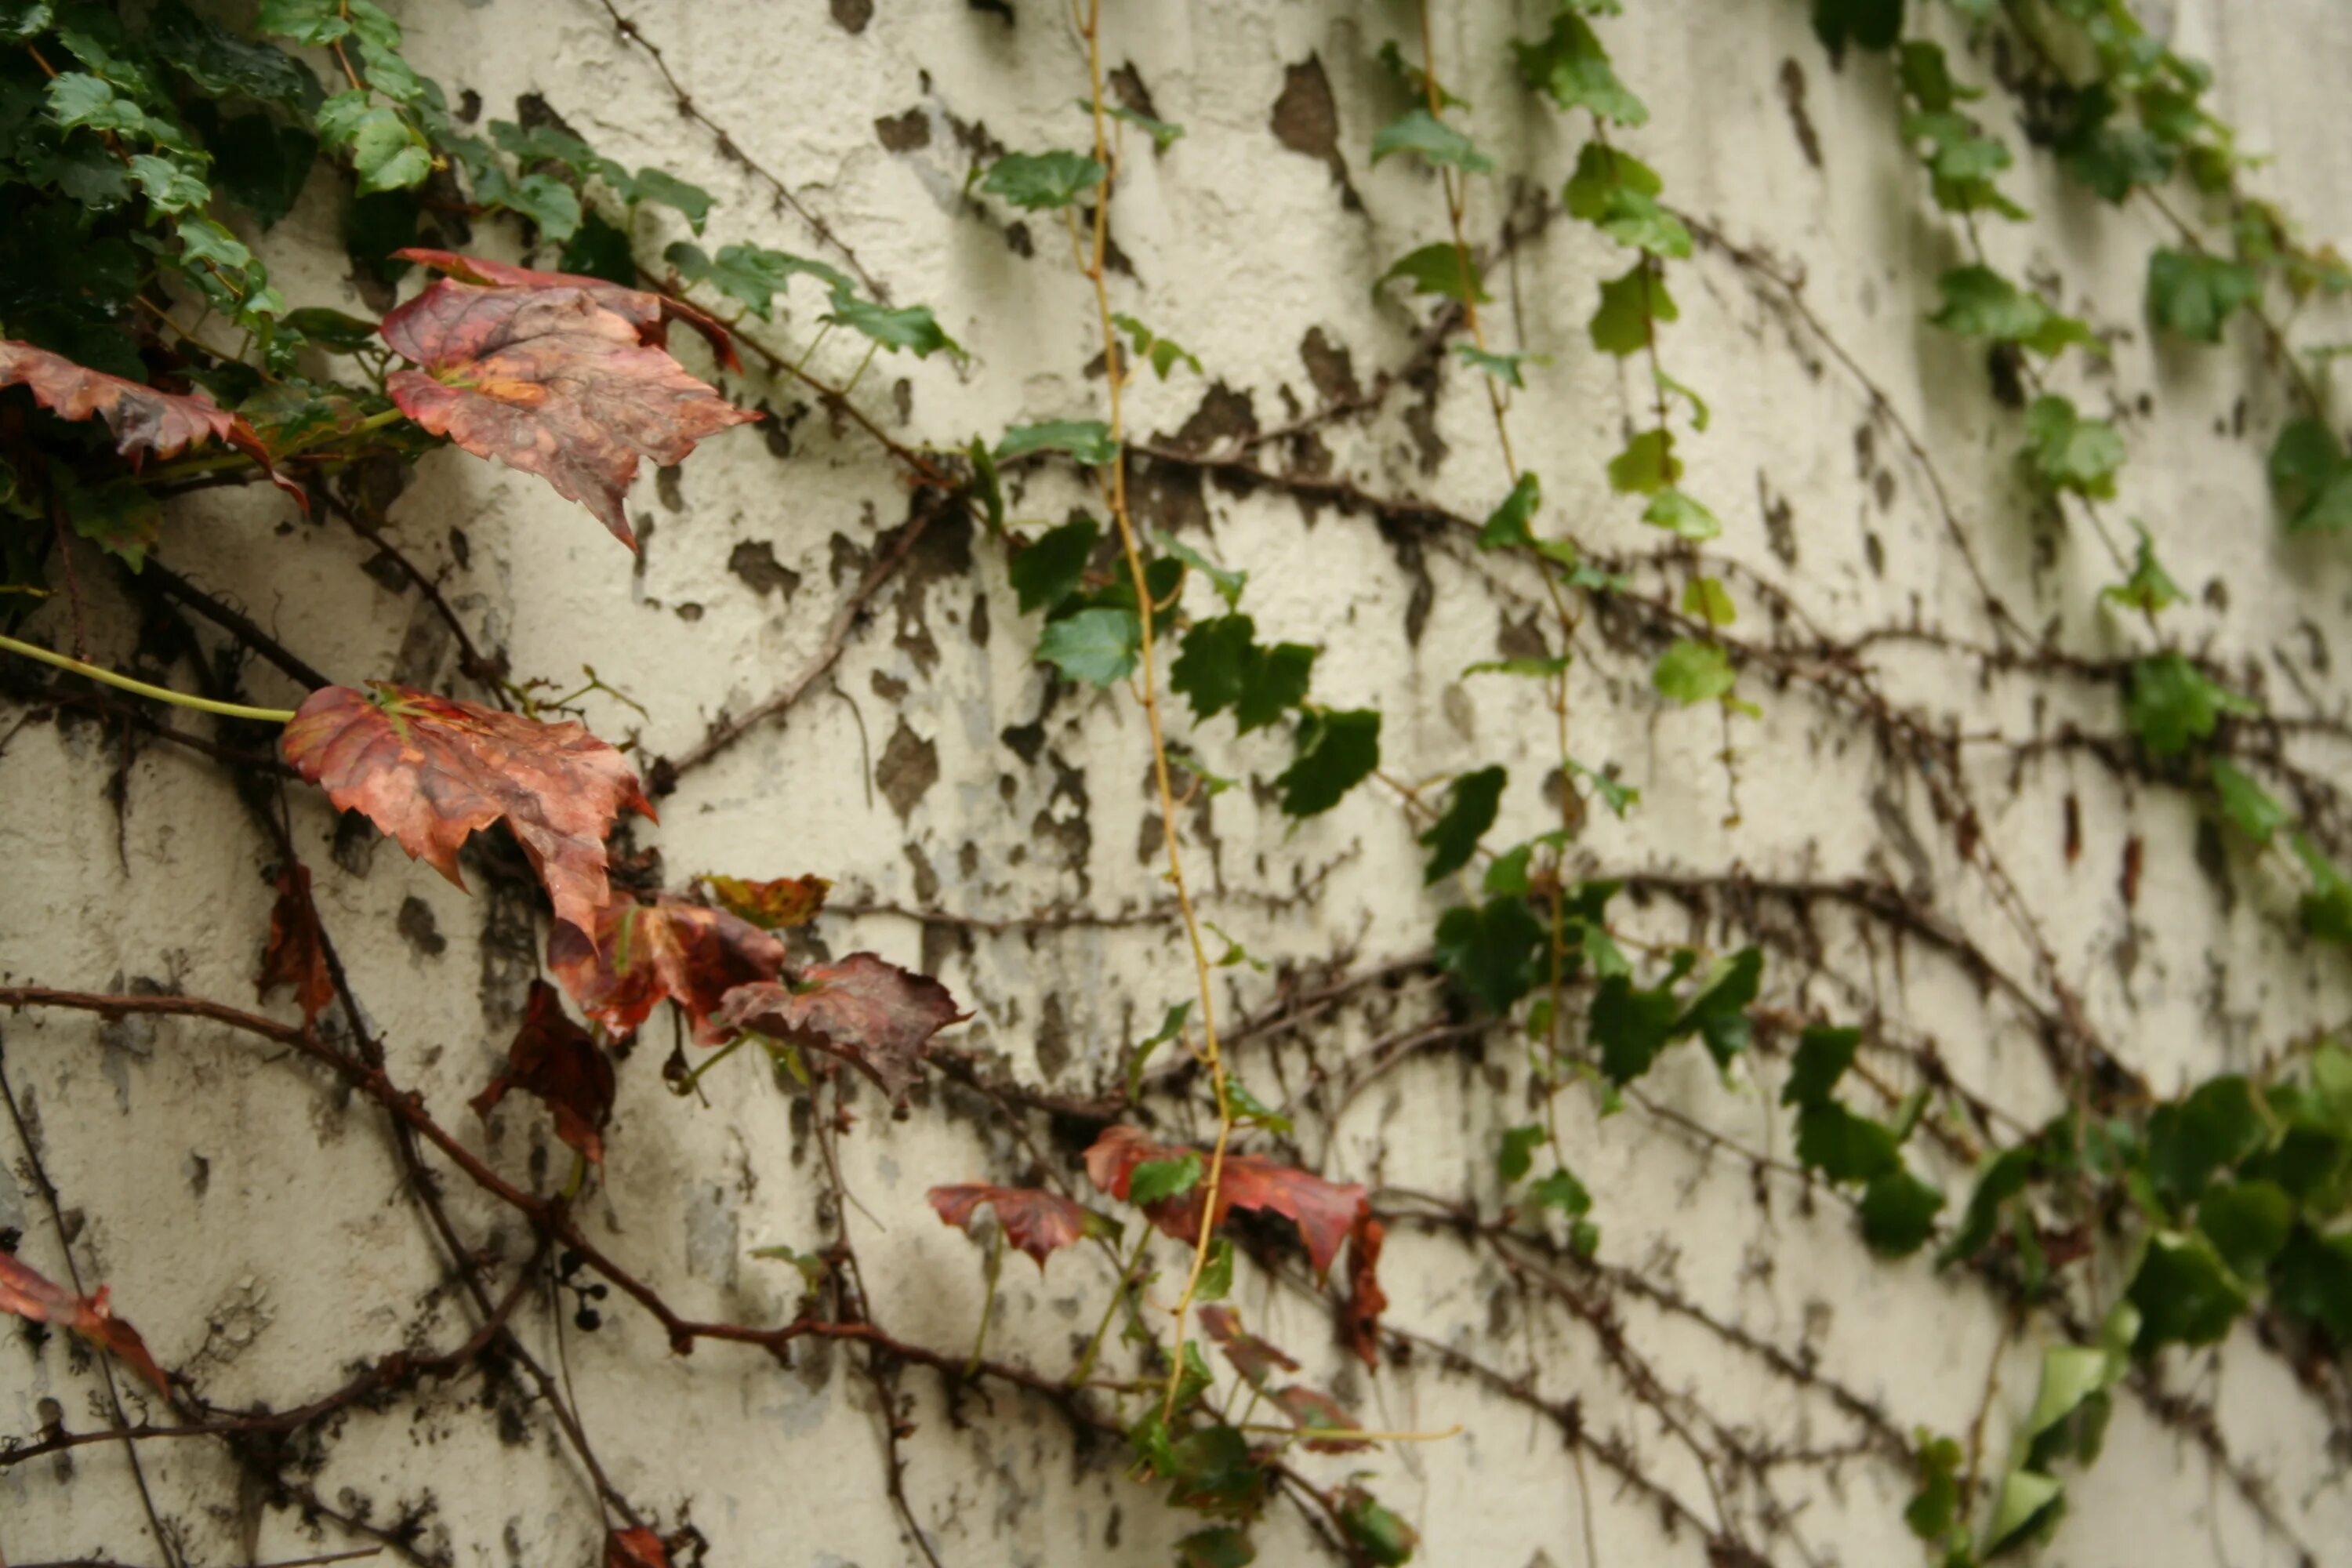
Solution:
(251, 1221)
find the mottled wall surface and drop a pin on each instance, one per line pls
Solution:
(1739, 1363)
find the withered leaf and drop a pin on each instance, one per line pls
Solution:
(649, 313)
(868, 1012)
(669, 949)
(430, 770)
(1323, 1211)
(1360, 1317)
(27, 1294)
(552, 380)
(555, 1060)
(776, 905)
(1037, 1222)
(1311, 1409)
(144, 421)
(1254, 1358)
(637, 1548)
(297, 952)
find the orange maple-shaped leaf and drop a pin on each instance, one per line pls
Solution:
(551, 380)
(1037, 1222)
(649, 313)
(553, 1060)
(638, 1548)
(1360, 1317)
(144, 421)
(1254, 1358)
(870, 1012)
(644, 952)
(28, 1295)
(1323, 1211)
(297, 951)
(429, 771)
(776, 905)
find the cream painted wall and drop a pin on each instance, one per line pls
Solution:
(252, 1223)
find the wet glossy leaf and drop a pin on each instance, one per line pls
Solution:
(643, 954)
(1337, 749)
(431, 771)
(28, 1295)
(1037, 1222)
(1323, 1211)
(869, 1013)
(295, 955)
(1470, 806)
(553, 1060)
(550, 381)
(779, 904)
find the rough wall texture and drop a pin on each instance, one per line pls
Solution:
(998, 829)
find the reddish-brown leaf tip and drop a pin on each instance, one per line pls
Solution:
(1360, 1317)
(637, 1548)
(868, 1012)
(552, 380)
(643, 954)
(143, 419)
(1037, 1222)
(430, 771)
(295, 955)
(649, 313)
(555, 1060)
(1323, 1211)
(26, 1292)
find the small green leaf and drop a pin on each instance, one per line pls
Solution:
(1633, 1025)
(1337, 750)
(1842, 1146)
(2253, 809)
(170, 186)
(2027, 1500)
(1222, 1547)
(1646, 466)
(1570, 64)
(1491, 950)
(1717, 1013)
(2185, 1293)
(1087, 440)
(751, 273)
(1936, 1507)
(1099, 646)
(1822, 1055)
(2310, 479)
(1228, 585)
(1692, 671)
(1155, 1180)
(1503, 367)
(1628, 306)
(1163, 355)
(2148, 589)
(1603, 171)
(1470, 807)
(661, 186)
(2070, 452)
(1048, 569)
(1249, 1111)
(1898, 1213)
(1216, 1281)
(1164, 133)
(2247, 1222)
(2194, 293)
(1517, 1154)
(1038, 181)
(2172, 703)
(1443, 268)
(1561, 1190)
(1640, 223)
(1678, 514)
(1418, 131)
(1981, 303)
(1708, 599)
(1506, 527)
(908, 327)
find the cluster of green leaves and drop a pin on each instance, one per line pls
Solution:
(1963, 159)
(1898, 1209)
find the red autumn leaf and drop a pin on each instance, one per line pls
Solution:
(1037, 1222)
(871, 1014)
(28, 1295)
(429, 771)
(297, 952)
(638, 1548)
(644, 952)
(1323, 1211)
(1361, 1318)
(1254, 1358)
(1311, 1409)
(649, 313)
(774, 905)
(552, 380)
(143, 420)
(553, 1058)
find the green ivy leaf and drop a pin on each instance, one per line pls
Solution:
(1822, 1055)
(1708, 599)
(1415, 81)
(1492, 950)
(2314, 1279)
(1570, 64)
(1440, 269)
(2070, 452)
(1418, 131)
(119, 516)
(751, 273)
(2172, 703)
(910, 327)
(1164, 133)
(1379, 1536)
(1470, 807)
(2193, 292)
(1228, 585)
(1036, 182)
(2247, 1222)
(1503, 367)
(1680, 515)
(1602, 171)
(2310, 479)
(220, 63)
(1518, 1155)
(1842, 1146)
(1100, 646)
(1936, 1508)
(1337, 749)
(2185, 1293)
(1628, 306)
(1872, 25)
(2253, 809)
(1615, 794)
(1633, 1025)
(1691, 671)
(1212, 669)
(1927, 78)
(1163, 355)
(2002, 1178)
(388, 154)
(2149, 588)
(1506, 527)
(22, 20)
(1155, 1181)
(2029, 1503)
(1274, 683)
(1898, 1213)
(1087, 440)
(1561, 1190)
(1640, 223)
(1048, 569)
(1222, 1547)
(2192, 1139)
(1981, 303)
(665, 189)
(316, 22)
(170, 187)
(601, 249)
(1646, 466)
(79, 101)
